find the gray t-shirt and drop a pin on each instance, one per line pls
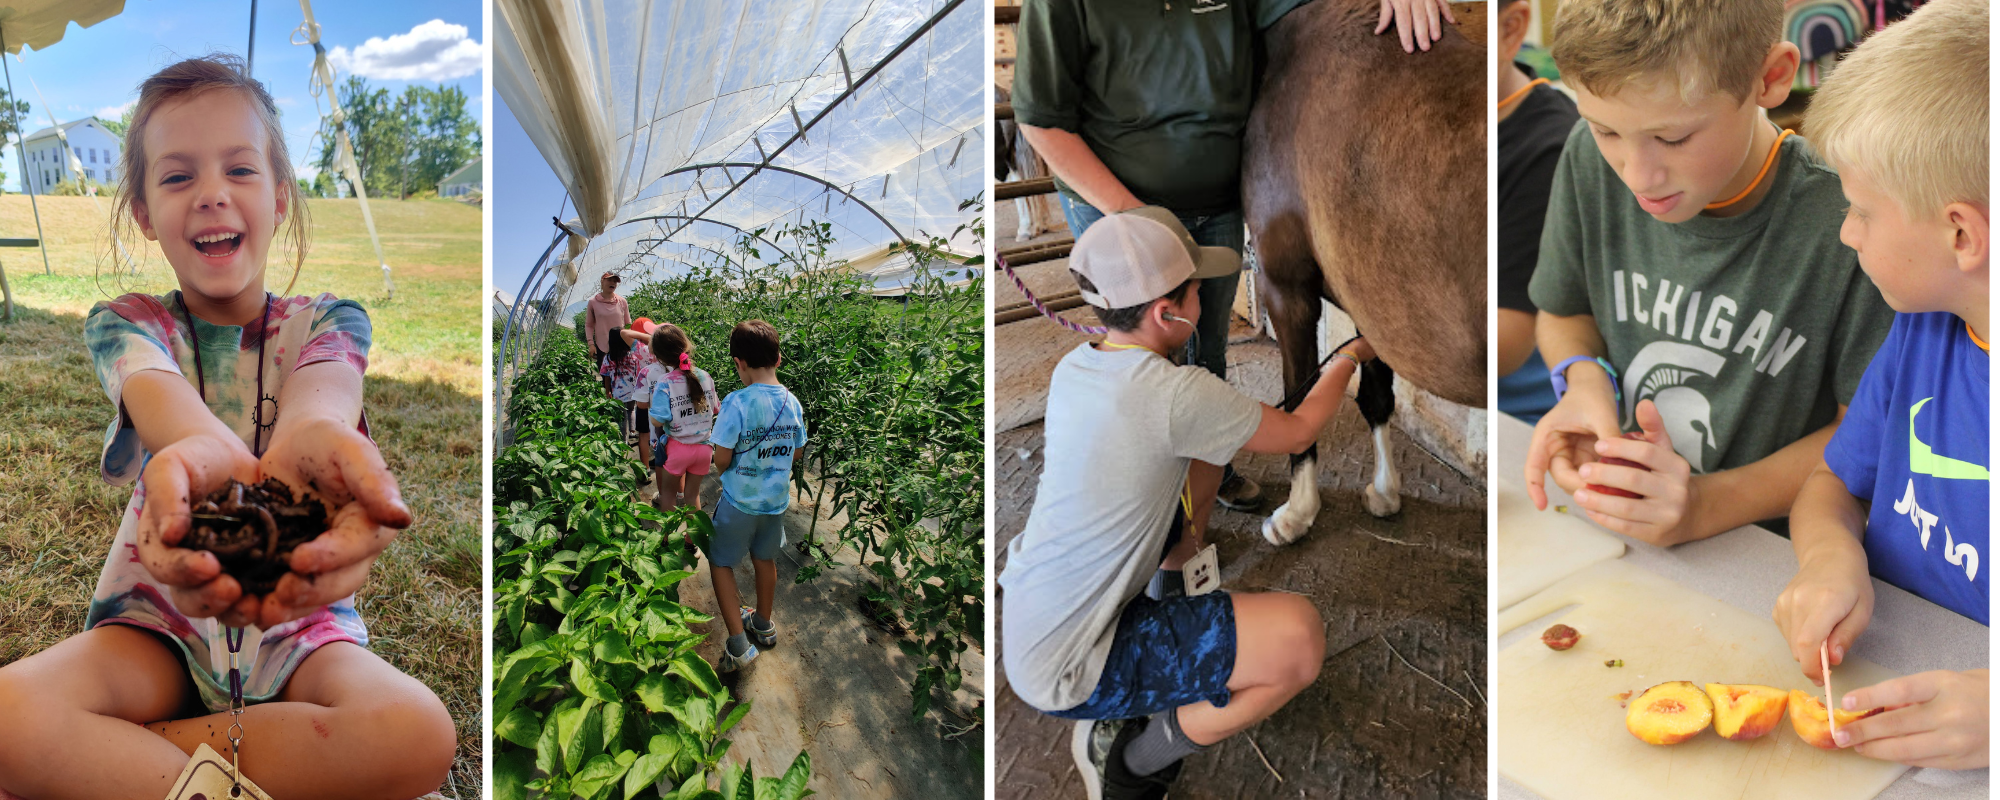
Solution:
(1121, 428)
(1748, 332)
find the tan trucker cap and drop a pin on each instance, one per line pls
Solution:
(1137, 256)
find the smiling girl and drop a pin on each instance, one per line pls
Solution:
(222, 379)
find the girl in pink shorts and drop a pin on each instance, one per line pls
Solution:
(683, 411)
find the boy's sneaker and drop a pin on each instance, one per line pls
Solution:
(731, 662)
(1099, 749)
(764, 638)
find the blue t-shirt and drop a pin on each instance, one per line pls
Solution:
(764, 426)
(1913, 445)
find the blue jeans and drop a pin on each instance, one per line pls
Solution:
(1218, 295)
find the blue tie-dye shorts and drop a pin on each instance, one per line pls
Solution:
(1165, 654)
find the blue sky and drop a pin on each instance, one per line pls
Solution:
(524, 195)
(97, 70)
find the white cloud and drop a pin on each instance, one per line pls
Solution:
(432, 51)
(115, 113)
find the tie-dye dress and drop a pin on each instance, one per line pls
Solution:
(140, 332)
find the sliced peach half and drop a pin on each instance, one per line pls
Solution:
(1669, 713)
(1809, 719)
(1746, 711)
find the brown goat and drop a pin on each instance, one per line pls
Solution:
(1364, 184)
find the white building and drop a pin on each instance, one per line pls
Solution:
(94, 148)
(464, 181)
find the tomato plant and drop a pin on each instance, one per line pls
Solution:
(597, 690)
(894, 397)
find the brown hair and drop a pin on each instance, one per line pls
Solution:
(187, 79)
(1127, 319)
(669, 342)
(1700, 46)
(756, 342)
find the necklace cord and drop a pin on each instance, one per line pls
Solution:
(1521, 91)
(1769, 159)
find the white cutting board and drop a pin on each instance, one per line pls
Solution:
(1561, 731)
(1538, 548)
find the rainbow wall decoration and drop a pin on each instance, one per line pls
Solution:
(1824, 29)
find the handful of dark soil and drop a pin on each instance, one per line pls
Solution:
(252, 530)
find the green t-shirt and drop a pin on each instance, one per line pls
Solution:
(1748, 332)
(1159, 89)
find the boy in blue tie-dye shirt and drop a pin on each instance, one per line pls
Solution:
(760, 428)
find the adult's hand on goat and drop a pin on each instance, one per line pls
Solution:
(1663, 512)
(1566, 438)
(1417, 21)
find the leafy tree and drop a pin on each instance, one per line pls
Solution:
(119, 126)
(404, 144)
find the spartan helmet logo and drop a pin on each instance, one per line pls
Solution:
(1666, 372)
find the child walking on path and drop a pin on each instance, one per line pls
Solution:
(758, 431)
(683, 412)
(219, 380)
(632, 379)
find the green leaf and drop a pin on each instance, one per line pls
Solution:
(737, 783)
(600, 774)
(735, 715)
(512, 769)
(658, 692)
(613, 724)
(793, 785)
(582, 735)
(645, 772)
(611, 648)
(587, 684)
(521, 727)
(548, 747)
(697, 672)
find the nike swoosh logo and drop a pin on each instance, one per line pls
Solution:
(1925, 462)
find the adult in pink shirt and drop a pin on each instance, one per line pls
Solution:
(604, 313)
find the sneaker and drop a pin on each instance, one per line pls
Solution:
(1239, 493)
(732, 663)
(766, 638)
(1099, 749)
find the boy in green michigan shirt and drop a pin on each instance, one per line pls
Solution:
(1692, 285)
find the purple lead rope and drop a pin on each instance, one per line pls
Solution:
(1037, 302)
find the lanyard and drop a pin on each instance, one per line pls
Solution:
(231, 635)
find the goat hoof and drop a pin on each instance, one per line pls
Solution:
(1379, 504)
(1283, 527)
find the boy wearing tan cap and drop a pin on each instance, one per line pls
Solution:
(1085, 639)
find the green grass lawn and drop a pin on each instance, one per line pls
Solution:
(422, 603)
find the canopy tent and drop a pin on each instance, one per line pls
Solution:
(678, 128)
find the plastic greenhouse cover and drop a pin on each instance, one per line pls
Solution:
(670, 104)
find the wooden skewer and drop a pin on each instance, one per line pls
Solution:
(1826, 679)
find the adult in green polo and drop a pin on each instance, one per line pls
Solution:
(1144, 102)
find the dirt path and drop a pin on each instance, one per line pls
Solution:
(1407, 589)
(837, 687)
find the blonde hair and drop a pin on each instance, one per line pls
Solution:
(187, 79)
(1703, 46)
(1908, 108)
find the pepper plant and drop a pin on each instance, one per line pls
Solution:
(598, 692)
